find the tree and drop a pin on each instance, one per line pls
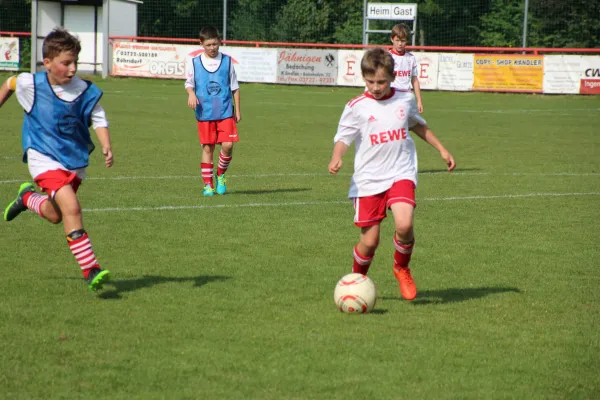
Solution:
(252, 19)
(348, 22)
(305, 21)
(566, 23)
(503, 25)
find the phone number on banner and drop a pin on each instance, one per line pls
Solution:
(306, 80)
(128, 53)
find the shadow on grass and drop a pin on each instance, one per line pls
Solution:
(269, 191)
(454, 295)
(440, 170)
(146, 281)
(378, 311)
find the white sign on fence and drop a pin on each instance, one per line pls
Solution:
(455, 71)
(427, 70)
(392, 11)
(307, 67)
(436, 71)
(254, 64)
(349, 68)
(156, 60)
(572, 74)
(9, 54)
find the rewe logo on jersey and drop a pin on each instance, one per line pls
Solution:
(388, 136)
(402, 73)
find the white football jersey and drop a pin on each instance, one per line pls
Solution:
(405, 67)
(385, 151)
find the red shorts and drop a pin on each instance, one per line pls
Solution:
(213, 132)
(51, 181)
(371, 210)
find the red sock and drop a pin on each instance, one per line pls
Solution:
(361, 263)
(223, 164)
(82, 250)
(403, 253)
(34, 201)
(207, 173)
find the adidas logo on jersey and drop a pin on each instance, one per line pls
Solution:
(372, 118)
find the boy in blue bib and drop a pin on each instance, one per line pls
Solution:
(59, 109)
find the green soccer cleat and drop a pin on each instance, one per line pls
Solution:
(96, 278)
(208, 191)
(221, 187)
(18, 206)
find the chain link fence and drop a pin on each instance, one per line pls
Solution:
(15, 16)
(497, 23)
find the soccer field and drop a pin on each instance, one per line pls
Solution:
(231, 297)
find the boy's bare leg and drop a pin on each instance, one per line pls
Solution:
(224, 161)
(365, 249)
(207, 167)
(404, 240)
(77, 238)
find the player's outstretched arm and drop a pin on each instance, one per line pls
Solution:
(335, 164)
(104, 138)
(7, 89)
(427, 135)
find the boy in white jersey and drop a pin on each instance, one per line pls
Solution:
(59, 107)
(385, 164)
(211, 84)
(405, 64)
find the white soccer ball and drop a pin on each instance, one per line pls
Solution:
(355, 293)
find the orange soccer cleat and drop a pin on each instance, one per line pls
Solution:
(408, 289)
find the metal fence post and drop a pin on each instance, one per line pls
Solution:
(525, 10)
(224, 19)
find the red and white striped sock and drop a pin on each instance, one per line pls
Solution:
(82, 250)
(34, 201)
(361, 263)
(223, 164)
(207, 173)
(403, 252)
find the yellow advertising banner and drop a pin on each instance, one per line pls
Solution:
(508, 73)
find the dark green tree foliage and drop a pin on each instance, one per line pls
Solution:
(551, 23)
(178, 18)
(503, 25)
(15, 15)
(574, 23)
(305, 21)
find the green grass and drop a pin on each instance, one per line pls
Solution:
(231, 297)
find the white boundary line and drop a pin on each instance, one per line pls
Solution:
(320, 203)
(198, 177)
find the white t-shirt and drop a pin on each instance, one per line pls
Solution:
(211, 65)
(385, 152)
(25, 92)
(405, 67)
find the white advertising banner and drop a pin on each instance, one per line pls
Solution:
(349, 73)
(151, 60)
(253, 64)
(572, 74)
(9, 54)
(155, 60)
(427, 70)
(436, 71)
(349, 68)
(455, 72)
(307, 67)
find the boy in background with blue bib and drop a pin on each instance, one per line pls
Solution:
(214, 94)
(59, 109)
